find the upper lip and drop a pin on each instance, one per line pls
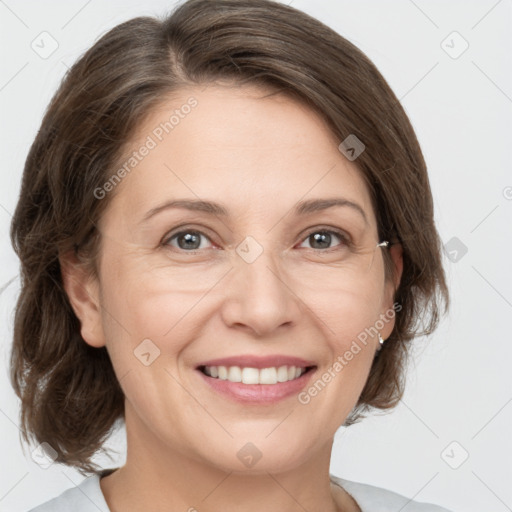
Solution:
(253, 361)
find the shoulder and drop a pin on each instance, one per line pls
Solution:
(376, 499)
(85, 497)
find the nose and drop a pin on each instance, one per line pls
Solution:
(259, 298)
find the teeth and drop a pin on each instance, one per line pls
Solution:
(235, 374)
(282, 374)
(271, 375)
(250, 376)
(268, 376)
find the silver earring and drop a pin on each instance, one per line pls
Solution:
(381, 341)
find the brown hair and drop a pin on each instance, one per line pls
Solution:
(70, 397)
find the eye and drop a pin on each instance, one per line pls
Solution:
(322, 239)
(191, 240)
(188, 240)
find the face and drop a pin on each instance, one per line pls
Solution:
(218, 263)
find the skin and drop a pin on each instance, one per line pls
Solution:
(258, 155)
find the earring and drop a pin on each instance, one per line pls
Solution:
(381, 342)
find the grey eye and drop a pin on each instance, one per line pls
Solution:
(323, 239)
(187, 240)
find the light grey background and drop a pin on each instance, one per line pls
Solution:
(459, 387)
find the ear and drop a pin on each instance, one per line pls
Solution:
(82, 290)
(396, 252)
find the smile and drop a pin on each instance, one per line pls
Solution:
(252, 380)
(248, 375)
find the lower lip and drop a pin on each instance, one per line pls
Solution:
(258, 393)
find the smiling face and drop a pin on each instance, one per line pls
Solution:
(216, 246)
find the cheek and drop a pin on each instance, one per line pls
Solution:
(148, 322)
(146, 298)
(142, 309)
(349, 346)
(348, 314)
(346, 307)
(132, 311)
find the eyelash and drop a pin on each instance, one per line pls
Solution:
(344, 238)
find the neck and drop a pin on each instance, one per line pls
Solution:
(161, 477)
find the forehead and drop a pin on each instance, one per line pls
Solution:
(241, 146)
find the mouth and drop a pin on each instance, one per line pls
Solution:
(248, 375)
(253, 380)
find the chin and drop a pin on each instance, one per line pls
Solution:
(260, 455)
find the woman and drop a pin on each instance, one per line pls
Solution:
(227, 241)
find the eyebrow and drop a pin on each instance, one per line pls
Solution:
(213, 208)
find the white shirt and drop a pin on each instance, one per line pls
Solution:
(88, 497)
